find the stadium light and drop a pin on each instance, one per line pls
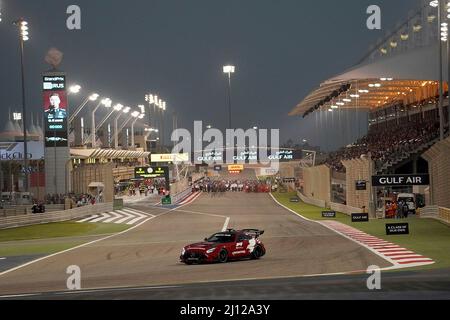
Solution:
(135, 114)
(118, 107)
(22, 26)
(443, 37)
(126, 110)
(229, 69)
(93, 97)
(75, 88)
(107, 102)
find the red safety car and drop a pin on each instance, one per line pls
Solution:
(225, 246)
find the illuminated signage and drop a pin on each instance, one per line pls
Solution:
(233, 168)
(55, 110)
(151, 172)
(15, 150)
(175, 157)
(401, 180)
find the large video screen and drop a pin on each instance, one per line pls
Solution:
(55, 110)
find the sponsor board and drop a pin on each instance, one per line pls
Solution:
(401, 180)
(55, 105)
(171, 157)
(236, 168)
(360, 217)
(328, 214)
(361, 185)
(151, 172)
(10, 151)
(397, 229)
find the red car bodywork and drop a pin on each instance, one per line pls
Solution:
(225, 246)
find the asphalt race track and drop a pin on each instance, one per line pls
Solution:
(148, 254)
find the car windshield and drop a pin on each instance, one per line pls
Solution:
(221, 238)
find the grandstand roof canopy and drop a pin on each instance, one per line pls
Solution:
(406, 77)
(107, 154)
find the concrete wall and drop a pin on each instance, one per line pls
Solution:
(56, 170)
(83, 176)
(317, 183)
(358, 169)
(438, 158)
(311, 201)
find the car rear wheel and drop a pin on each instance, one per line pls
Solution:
(257, 253)
(223, 256)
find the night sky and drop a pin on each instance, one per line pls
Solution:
(176, 48)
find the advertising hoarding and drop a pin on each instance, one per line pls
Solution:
(55, 110)
(10, 151)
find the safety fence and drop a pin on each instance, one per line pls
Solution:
(444, 214)
(435, 212)
(58, 216)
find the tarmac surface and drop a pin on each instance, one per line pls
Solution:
(148, 254)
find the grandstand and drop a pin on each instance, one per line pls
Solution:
(398, 84)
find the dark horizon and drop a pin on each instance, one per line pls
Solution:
(175, 49)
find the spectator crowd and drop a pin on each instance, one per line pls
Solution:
(387, 144)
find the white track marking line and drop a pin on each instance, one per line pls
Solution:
(131, 210)
(84, 245)
(191, 199)
(203, 213)
(140, 217)
(2, 258)
(395, 264)
(115, 217)
(225, 226)
(104, 216)
(89, 218)
(227, 219)
(127, 217)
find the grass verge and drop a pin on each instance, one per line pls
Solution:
(427, 237)
(52, 237)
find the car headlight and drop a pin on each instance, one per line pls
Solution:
(183, 251)
(211, 250)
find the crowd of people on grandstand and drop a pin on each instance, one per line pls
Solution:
(386, 144)
(78, 199)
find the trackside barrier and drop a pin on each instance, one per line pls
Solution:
(435, 212)
(39, 218)
(444, 214)
(314, 202)
(338, 207)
